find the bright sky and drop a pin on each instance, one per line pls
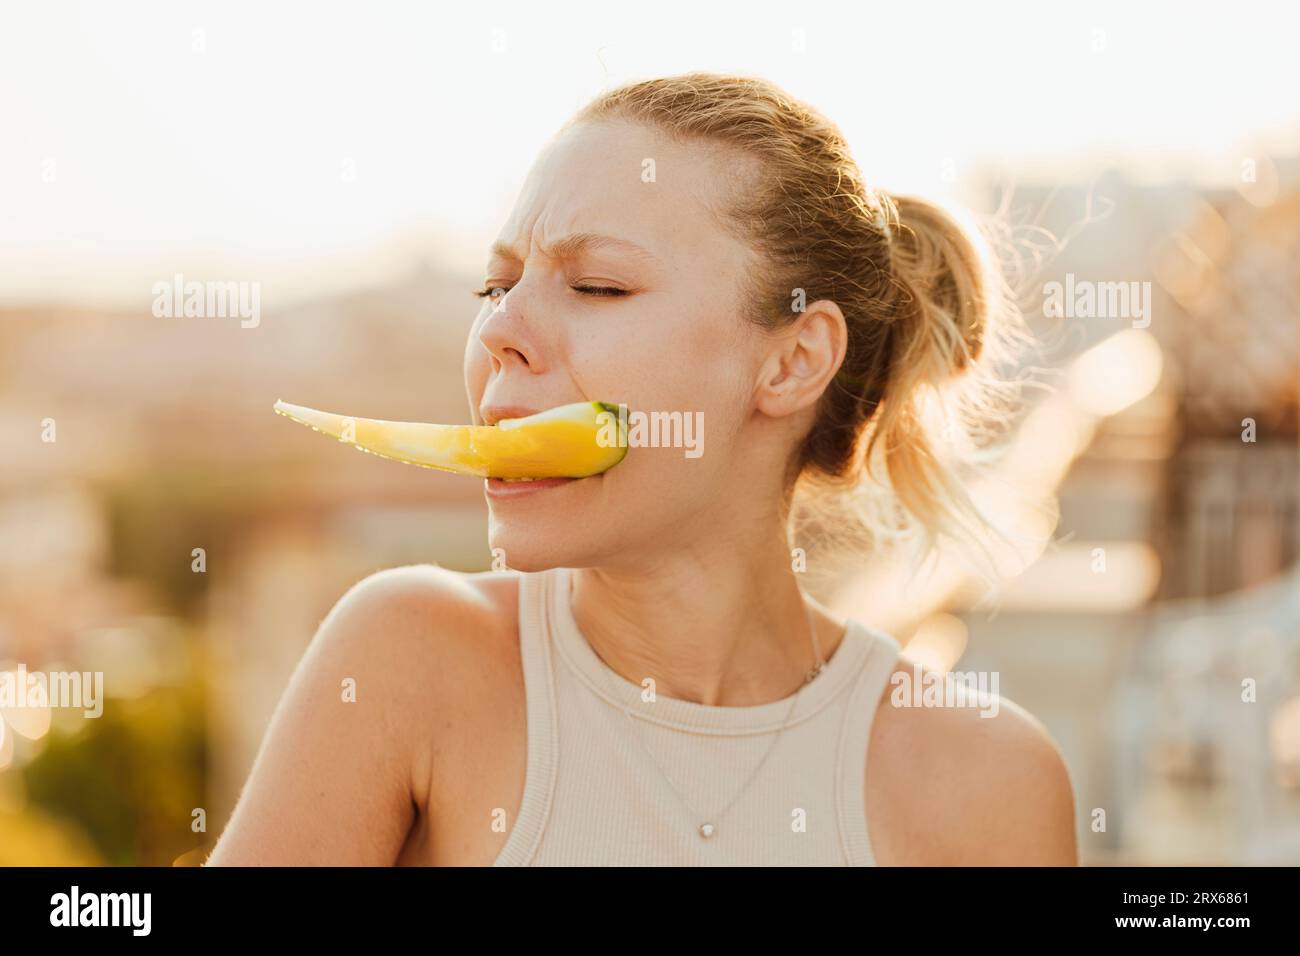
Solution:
(320, 141)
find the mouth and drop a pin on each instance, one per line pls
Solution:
(502, 488)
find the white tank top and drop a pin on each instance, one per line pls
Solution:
(595, 796)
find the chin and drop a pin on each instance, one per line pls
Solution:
(533, 528)
(536, 545)
(560, 541)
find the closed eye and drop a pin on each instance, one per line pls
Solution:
(598, 290)
(595, 290)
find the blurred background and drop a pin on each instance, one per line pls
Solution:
(354, 161)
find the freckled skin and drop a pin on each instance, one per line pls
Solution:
(684, 563)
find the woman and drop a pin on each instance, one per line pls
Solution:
(648, 685)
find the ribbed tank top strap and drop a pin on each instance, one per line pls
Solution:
(535, 653)
(855, 733)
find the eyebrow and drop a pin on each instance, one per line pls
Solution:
(574, 244)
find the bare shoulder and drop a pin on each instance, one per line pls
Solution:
(417, 587)
(979, 784)
(448, 641)
(417, 603)
(346, 766)
(425, 629)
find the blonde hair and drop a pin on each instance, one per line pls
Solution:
(918, 397)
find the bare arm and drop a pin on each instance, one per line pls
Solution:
(337, 780)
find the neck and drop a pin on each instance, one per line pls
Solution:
(724, 624)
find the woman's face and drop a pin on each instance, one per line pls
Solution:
(646, 314)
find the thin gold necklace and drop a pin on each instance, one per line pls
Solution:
(708, 824)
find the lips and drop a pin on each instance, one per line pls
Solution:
(492, 414)
(512, 488)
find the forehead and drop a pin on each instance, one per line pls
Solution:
(626, 180)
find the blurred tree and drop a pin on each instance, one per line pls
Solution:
(132, 778)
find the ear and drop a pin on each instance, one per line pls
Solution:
(802, 360)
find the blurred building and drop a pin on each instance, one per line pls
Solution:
(1136, 664)
(130, 442)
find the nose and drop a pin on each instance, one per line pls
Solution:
(506, 337)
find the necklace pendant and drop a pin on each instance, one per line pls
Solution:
(706, 830)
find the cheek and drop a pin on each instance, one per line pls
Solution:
(476, 366)
(677, 351)
(703, 397)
